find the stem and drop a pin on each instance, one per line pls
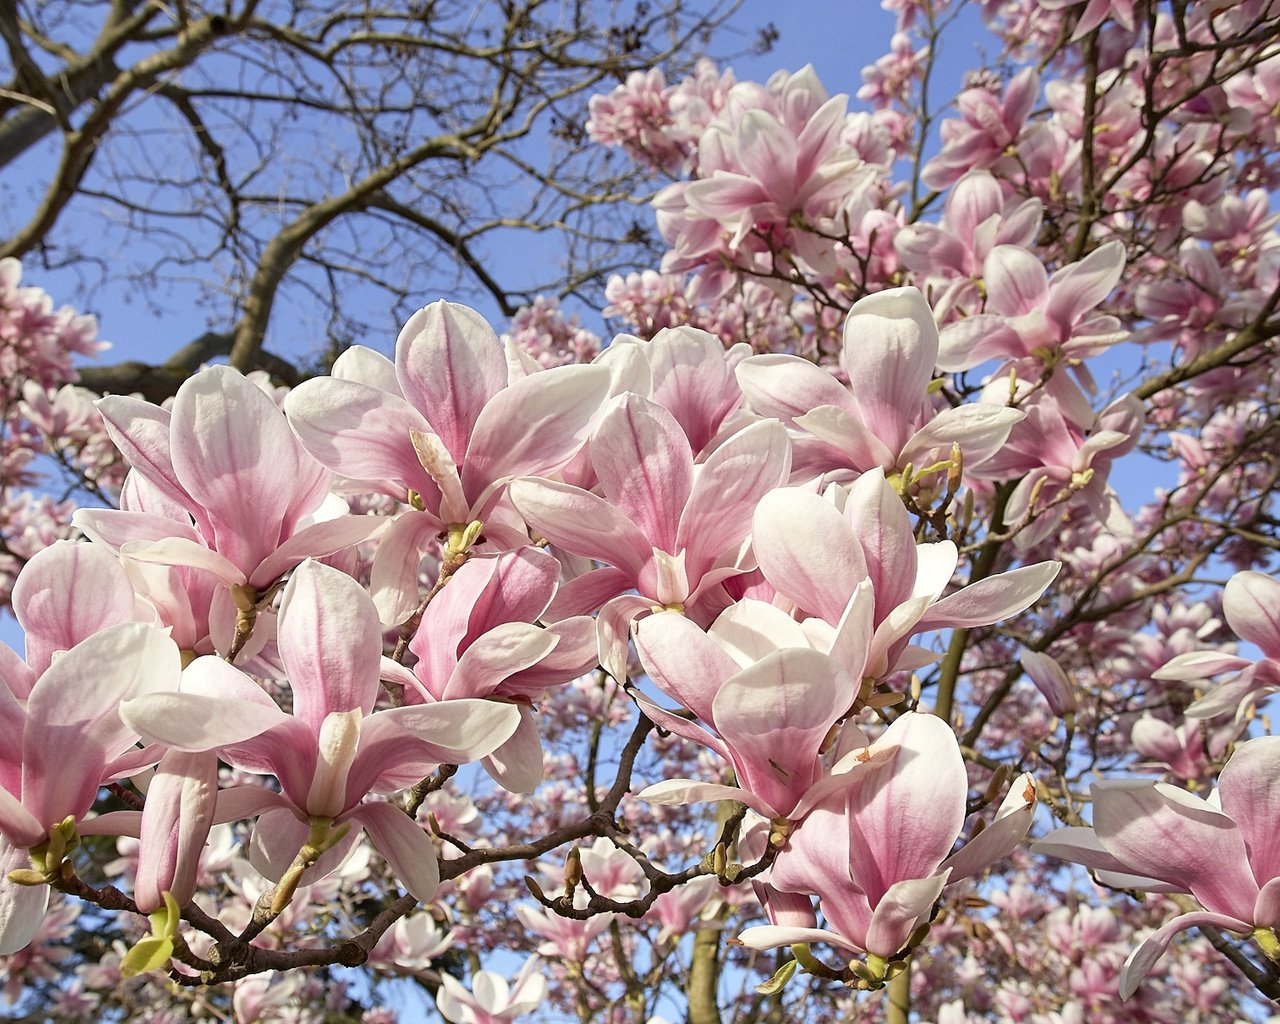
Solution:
(898, 1008)
(704, 977)
(950, 671)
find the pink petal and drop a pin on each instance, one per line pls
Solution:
(747, 631)
(330, 642)
(683, 661)
(890, 346)
(692, 379)
(450, 363)
(278, 836)
(1055, 685)
(1249, 788)
(359, 432)
(142, 432)
(49, 598)
(681, 792)
(393, 579)
(726, 490)
(404, 845)
(907, 811)
(534, 426)
(1251, 604)
(1076, 289)
(582, 523)
(877, 517)
(1082, 846)
(768, 153)
(236, 457)
(850, 442)
(979, 429)
(1001, 836)
(769, 936)
(16, 677)
(681, 726)
(72, 731)
(180, 551)
(645, 467)
(194, 722)
(990, 600)
(1167, 833)
(807, 551)
(366, 366)
(586, 593)
(17, 825)
(724, 196)
(504, 650)
(900, 911)
(775, 716)
(22, 907)
(785, 386)
(1196, 665)
(458, 731)
(1142, 959)
(516, 766)
(1017, 282)
(316, 541)
(175, 826)
(613, 629)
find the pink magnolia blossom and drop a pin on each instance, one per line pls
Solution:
(771, 719)
(1031, 314)
(220, 486)
(815, 556)
(49, 602)
(876, 851)
(59, 742)
(690, 373)
(884, 417)
(977, 217)
(444, 428)
(1157, 837)
(491, 1000)
(1063, 452)
(333, 750)
(669, 528)
(988, 125)
(1250, 603)
(477, 640)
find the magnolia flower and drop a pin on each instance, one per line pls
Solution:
(1249, 603)
(815, 555)
(1153, 836)
(445, 428)
(668, 528)
(491, 1000)
(477, 640)
(1032, 314)
(333, 750)
(885, 417)
(59, 743)
(219, 486)
(876, 850)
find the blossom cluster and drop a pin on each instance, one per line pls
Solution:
(840, 537)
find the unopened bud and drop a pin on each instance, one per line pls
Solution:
(535, 888)
(245, 597)
(999, 779)
(572, 870)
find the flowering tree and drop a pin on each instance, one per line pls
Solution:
(719, 673)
